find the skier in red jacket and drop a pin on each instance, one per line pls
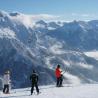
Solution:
(58, 74)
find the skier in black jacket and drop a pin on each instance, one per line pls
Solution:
(34, 80)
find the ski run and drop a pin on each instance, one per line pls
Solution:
(67, 91)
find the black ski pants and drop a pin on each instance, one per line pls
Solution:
(36, 86)
(6, 88)
(59, 82)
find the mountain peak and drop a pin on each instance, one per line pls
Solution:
(14, 13)
(41, 22)
(2, 13)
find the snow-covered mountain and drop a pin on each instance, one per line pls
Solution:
(79, 34)
(27, 43)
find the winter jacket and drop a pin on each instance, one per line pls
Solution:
(34, 78)
(6, 79)
(58, 72)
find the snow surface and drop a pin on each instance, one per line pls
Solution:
(68, 91)
(93, 54)
(6, 32)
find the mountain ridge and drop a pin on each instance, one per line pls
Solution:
(27, 44)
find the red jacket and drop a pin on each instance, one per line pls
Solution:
(58, 72)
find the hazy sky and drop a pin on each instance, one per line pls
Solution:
(65, 9)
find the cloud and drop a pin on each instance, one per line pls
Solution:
(66, 17)
(85, 15)
(82, 15)
(46, 17)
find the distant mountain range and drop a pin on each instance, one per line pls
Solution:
(26, 44)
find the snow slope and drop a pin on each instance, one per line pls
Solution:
(93, 54)
(68, 91)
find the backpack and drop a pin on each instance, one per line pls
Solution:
(34, 78)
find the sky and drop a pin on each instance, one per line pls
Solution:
(64, 9)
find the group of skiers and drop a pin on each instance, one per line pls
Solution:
(33, 79)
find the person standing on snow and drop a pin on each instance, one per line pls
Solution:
(6, 82)
(34, 80)
(59, 76)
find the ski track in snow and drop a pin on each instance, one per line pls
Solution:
(68, 91)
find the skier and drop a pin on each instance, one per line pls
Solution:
(34, 80)
(59, 76)
(6, 81)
